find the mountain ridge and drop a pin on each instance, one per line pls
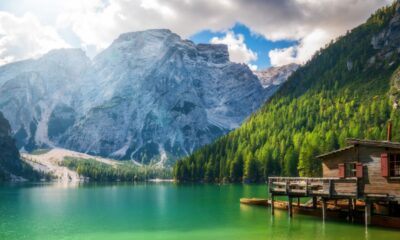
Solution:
(150, 97)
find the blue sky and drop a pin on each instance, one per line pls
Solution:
(254, 41)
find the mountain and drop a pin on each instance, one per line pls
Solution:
(348, 89)
(38, 97)
(11, 166)
(9, 155)
(150, 97)
(275, 76)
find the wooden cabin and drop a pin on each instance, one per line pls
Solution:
(365, 170)
(375, 165)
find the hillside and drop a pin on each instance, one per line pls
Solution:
(348, 89)
(11, 166)
(68, 166)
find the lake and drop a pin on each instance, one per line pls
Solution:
(157, 211)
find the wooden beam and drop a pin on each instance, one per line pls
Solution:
(272, 204)
(374, 143)
(368, 213)
(350, 209)
(287, 186)
(290, 207)
(314, 202)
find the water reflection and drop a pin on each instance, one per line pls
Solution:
(157, 211)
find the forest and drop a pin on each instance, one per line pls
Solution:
(11, 164)
(344, 91)
(125, 171)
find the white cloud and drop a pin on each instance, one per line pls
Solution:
(310, 22)
(253, 67)
(302, 52)
(96, 23)
(155, 5)
(238, 51)
(25, 37)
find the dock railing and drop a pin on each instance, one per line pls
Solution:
(304, 187)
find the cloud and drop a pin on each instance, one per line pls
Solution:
(98, 23)
(312, 23)
(253, 67)
(319, 22)
(238, 51)
(25, 37)
(302, 52)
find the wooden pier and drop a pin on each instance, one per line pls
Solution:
(334, 209)
(347, 191)
(324, 189)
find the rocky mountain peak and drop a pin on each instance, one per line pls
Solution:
(215, 53)
(388, 39)
(150, 97)
(148, 34)
(275, 75)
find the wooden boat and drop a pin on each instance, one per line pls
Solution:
(255, 201)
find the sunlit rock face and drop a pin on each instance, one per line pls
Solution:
(150, 97)
(275, 76)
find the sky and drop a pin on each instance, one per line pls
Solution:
(259, 33)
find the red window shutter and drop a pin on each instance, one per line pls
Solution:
(385, 164)
(359, 170)
(341, 170)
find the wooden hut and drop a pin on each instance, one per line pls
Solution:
(365, 170)
(374, 164)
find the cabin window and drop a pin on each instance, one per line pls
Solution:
(350, 169)
(394, 165)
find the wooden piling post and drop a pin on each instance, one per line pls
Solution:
(323, 200)
(368, 212)
(314, 202)
(298, 201)
(290, 207)
(272, 204)
(350, 209)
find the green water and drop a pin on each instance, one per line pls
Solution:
(157, 211)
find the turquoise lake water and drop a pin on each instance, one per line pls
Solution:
(157, 211)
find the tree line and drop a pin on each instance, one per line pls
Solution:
(126, 172)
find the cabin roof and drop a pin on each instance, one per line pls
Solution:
(335, 152)
(374, 143)
(352, 142)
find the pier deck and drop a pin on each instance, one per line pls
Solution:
(323, 188)
(313, 187)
